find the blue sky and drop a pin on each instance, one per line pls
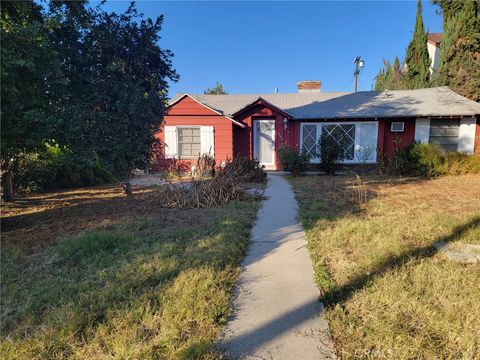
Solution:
(255, 47)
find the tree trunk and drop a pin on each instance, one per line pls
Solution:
(127, 188)
(7, 185)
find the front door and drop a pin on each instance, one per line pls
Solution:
(264, 143)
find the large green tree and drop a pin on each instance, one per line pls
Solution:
(117, 83)
(459, 66)
(417, 60)
(31, 79)
(93, 82)
(415, 73)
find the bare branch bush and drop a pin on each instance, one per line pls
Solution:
(217, 191)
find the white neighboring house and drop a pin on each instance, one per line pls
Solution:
(433, 46)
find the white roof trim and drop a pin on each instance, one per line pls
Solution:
(268, 103)
(208, 107)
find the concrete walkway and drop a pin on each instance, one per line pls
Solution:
(277, 310)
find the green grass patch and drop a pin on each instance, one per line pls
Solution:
(151, 288)
(388, 293)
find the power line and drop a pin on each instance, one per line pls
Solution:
(346, 83)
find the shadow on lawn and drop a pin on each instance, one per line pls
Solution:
(343, 293)
(338, 200)
(257, 338)
(55, 216)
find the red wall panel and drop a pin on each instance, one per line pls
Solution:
(189, 112)
(390, 141)
(188, 106)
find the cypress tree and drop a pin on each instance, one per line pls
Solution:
(390, 77)
(459, 66)
(417, 59)
(381, 78)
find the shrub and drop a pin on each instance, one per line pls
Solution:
(428, 160)
(397, 164)
(244, 170)
(457, 163)
(57, 168)
(330, 152)
(293, 160)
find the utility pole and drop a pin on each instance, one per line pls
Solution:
(359, 64)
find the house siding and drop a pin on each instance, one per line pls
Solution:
(388, 141)
(188, 112)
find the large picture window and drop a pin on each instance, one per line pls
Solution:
(360, 139)
(188, 142)
(345, 134)
(444, 133)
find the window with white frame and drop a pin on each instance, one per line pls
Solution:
(397, 126)
(444, 133)
(188, 140)
(360, 139)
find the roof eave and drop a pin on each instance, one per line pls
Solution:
(387, 116)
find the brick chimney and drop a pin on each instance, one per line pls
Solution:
(309, 86)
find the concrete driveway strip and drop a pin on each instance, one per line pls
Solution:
(277, 310)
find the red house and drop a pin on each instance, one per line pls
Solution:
(256, 125)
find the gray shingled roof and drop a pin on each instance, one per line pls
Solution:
(439, 101)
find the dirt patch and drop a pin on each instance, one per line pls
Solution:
(38, 220)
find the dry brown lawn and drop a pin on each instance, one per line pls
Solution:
(389, 293)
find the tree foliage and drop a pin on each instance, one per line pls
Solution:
(31, 79)
(414, 73)
(93, 82)
(117, 81)
(459, 66)
(390, 77)
(217, 90)
(417, 59)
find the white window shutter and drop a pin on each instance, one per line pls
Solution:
(422, 130)
(170, 142)
(466, 137)
(207, 140)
